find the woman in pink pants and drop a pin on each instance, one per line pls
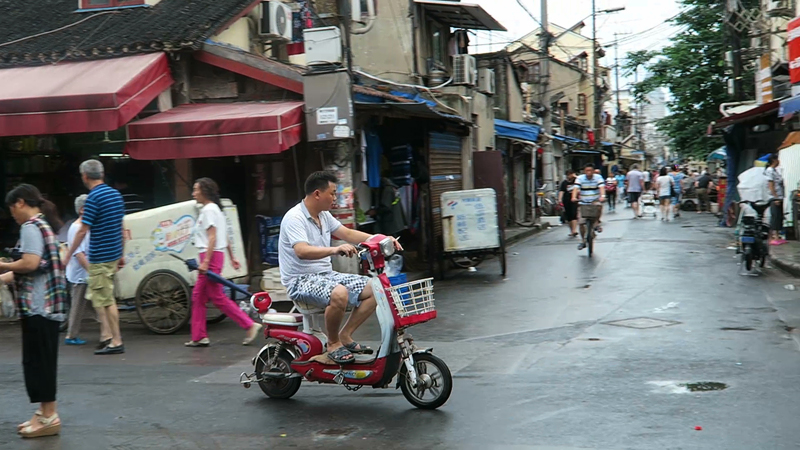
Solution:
(211, 240)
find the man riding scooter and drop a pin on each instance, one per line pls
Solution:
(307, 273)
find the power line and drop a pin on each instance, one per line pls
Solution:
(15, 41)
(522, 5)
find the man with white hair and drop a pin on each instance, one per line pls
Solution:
(78, 276)
(103, 214)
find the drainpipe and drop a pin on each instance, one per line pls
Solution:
(414, 26)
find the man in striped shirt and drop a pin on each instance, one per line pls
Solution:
(103, 214)
(590, 189)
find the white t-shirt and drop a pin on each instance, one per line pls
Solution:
(76, 274)
(298, 226)
(211, 216)
(665, 186)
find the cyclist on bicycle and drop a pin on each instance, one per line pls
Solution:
(590, 189)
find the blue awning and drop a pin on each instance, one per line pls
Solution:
(516, 130)
(569, 139)
(789, 106)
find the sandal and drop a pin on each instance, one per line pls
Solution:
(27, 423)
(51, 427)
(355, 347)
(341, 355)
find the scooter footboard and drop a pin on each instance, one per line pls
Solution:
(359, 374)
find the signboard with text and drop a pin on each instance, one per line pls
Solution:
(793, 42)
(764, 80)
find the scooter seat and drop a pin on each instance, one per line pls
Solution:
(286, 319)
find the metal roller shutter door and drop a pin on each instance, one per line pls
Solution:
(445, 170)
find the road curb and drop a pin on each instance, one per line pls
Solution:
(532, 231)
(791, 268)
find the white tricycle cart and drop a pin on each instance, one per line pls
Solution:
(157, 285)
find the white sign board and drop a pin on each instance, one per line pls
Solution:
(469, 220)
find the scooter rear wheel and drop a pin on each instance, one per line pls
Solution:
(438, 382)
(277, 388)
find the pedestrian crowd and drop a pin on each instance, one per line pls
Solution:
(668, 187)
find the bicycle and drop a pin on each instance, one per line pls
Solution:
(590, 213)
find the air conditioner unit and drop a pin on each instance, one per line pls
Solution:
(276, 20)
(486, 81)
(777, 8)
(464, 70)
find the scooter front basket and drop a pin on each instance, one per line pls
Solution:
(413, 302)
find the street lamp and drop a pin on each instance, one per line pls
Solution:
(596, 94)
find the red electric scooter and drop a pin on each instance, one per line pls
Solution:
(295, 342)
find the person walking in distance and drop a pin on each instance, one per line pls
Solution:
(102, 214)
(211, 240)
(41, 301)
(620, 177)
(634, 187)
(704, 184)
(611, 192)
(77, 276)
(677, 178)
(664, 185)
(776, 192)
(570, 207)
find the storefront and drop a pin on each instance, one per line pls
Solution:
(54, 117)
(249, 148)
(409, 155)
(518, 143)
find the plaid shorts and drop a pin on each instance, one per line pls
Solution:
(316, 288)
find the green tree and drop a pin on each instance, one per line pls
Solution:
(693, 69)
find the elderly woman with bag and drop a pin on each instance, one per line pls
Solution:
(41, 289)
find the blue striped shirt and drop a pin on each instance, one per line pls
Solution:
(589, 188)
(103, 213)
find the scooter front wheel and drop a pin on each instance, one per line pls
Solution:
(279, 388)
(435, 382)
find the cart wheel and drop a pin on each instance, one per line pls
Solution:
(162, 302)
(465, 262)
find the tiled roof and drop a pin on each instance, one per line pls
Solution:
(170, 25)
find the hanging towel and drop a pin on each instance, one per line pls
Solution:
(364, 156)
(374, 153)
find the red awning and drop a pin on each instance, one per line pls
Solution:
(79, 97)
(217, 129)
(756, 113)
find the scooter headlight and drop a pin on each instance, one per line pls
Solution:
(387, 247)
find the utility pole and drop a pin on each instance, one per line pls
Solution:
(616, 79)
(596, 91)
(638, 123)
(548, 160)
(619, 124)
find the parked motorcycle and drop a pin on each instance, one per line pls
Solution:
(295, 346)
(754, 236)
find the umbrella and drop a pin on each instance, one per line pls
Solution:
(718, 154)
(217, 278)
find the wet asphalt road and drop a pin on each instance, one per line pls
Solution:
(537, 364)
